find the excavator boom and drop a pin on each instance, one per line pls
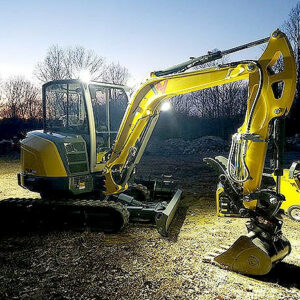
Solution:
(143, 112)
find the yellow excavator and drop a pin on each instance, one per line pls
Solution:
(83, 162)
(290, 188)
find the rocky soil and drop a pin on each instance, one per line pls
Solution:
(138, 263)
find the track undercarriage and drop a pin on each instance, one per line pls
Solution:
(107, 214)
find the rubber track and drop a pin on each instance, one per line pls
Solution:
(86, 206)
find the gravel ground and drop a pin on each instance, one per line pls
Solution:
(138, 263)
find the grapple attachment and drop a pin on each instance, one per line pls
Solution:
(251, 255)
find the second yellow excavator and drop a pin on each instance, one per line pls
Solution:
(85, 177)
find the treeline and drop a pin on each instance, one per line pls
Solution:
(20, 108)
(15, 129)
(21, 99)
(216, 111)
(292, 29)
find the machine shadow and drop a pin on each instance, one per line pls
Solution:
(177, 224)
(283, 274)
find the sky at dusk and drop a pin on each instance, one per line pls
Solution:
(141, 35)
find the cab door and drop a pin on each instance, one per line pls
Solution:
(109, 104)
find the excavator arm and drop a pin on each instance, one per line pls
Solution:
(271, 93)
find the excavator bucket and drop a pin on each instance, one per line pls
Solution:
(250, 255)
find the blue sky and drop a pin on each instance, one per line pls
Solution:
(141, 35)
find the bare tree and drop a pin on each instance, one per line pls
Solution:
(225, 101)
(53, 66)
(66, 63)
(79, 58)
(115, 73)
(22, 99)
(292, 29)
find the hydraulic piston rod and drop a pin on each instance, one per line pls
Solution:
(211, 56)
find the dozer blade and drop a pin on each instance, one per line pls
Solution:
(164, 218)
(250, 256)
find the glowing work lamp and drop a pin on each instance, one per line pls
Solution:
(165, 106)
(85, 76)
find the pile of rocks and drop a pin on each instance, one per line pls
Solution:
(293, 143)
(181, 146)
(6, 146)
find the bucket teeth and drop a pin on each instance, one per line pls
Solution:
(225, 247)
(212, 254)
(219, 251)
(210, 257)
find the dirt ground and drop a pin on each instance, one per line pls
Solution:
(138, 263)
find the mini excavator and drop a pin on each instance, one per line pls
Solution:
(83, 161)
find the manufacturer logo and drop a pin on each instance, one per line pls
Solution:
(161, 86)
(253, 261)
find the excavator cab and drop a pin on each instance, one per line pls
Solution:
(92, 110)
(69, 154)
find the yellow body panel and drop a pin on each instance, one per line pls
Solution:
(100, 156)
(100, 165)
(218, 193)
(39, 157)
(290, 188)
